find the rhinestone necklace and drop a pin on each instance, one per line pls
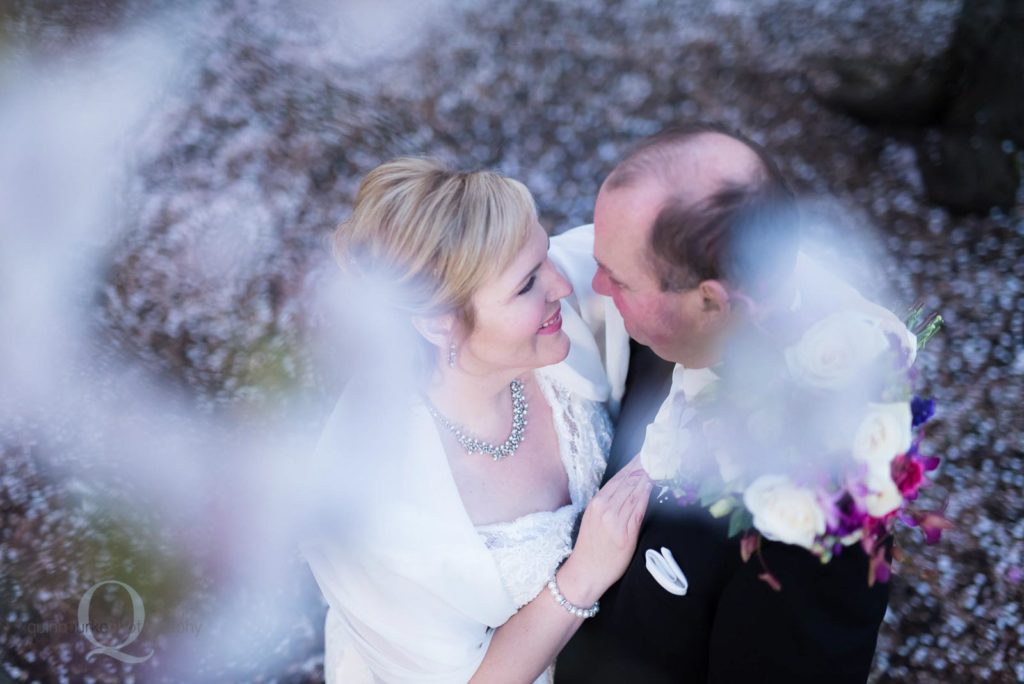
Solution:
(495, 451)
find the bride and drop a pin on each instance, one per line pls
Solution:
(459, 491)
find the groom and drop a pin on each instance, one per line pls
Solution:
(694, 228)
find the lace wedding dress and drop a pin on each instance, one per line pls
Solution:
(527, 550)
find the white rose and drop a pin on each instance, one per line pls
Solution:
(836, 349)
(883, 496)
(883, 434)
(663, 449)
(783, 511)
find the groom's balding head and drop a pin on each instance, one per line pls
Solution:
(725, 212)
(692, 161)
(690, 220)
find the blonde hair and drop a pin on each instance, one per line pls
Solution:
(435, 233)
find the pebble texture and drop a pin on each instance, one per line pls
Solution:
(243, 174)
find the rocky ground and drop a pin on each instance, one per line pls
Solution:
(257, 157)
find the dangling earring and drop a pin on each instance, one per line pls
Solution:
(451, 355)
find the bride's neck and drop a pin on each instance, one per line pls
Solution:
(480, 403)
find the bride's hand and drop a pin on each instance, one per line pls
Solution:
(608, 534)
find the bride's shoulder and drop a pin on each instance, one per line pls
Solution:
(599, 353)
(573, 250)
(369, 431)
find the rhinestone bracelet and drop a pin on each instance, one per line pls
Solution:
(564, 602)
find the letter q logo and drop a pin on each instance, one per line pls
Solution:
(138, 619)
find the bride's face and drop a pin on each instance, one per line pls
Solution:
(518, 325)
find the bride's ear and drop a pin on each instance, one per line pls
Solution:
(437, 330)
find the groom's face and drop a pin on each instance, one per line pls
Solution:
(675, 325)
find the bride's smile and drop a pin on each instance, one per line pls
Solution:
(517, 320)
(551, 325)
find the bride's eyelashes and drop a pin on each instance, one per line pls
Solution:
(529, 285)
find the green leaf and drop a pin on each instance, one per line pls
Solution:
(913, 316)
(934, 323)
(740, 520)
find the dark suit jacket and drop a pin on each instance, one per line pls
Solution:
(730, 626)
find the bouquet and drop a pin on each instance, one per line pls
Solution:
(808, 435)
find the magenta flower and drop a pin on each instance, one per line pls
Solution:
(908, 474)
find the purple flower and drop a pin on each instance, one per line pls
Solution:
(846, 517)
(922, 410)
(688, 498)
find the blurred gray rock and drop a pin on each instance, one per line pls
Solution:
(964, 110)
(967, 171)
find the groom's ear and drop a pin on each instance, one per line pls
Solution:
(435, 329)
(714, 298)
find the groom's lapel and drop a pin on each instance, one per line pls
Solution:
(647, 386)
